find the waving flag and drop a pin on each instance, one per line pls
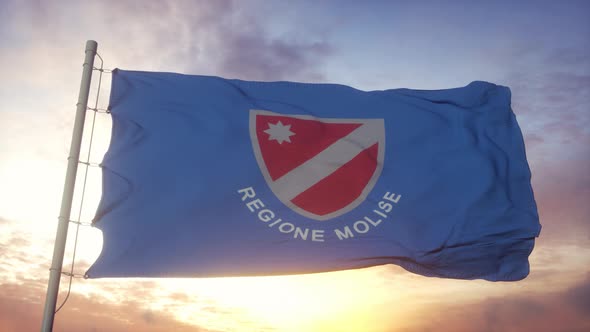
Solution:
(207, 176)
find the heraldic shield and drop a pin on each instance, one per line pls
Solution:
(321, 168)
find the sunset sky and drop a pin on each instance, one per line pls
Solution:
(540, 49)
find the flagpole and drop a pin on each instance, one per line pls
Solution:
(68, 192)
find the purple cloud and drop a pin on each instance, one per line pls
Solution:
(222, 38)
(579, 297)
(253, 56)
(560, 311)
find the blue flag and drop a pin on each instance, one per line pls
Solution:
(209, 177)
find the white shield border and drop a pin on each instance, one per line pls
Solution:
(269, 181)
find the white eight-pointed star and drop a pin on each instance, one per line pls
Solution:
(279, 132)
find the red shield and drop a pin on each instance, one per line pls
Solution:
(320, 168)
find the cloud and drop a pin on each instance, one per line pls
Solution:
(252, 57)
(224, 38)
(14, 251)
(568, 56)
(249, 53)
(579, 297)
(560, 311)
(551, 94)
(562, 190)
(21, 311)
(533, 140)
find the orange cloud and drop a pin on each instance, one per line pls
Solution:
(21, 311)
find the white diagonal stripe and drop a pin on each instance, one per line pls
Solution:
(328, 161)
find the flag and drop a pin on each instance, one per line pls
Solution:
(208, 177)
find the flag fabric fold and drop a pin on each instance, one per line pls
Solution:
(208, 177)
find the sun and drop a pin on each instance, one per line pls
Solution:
(337, 301)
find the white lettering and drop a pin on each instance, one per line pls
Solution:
(288, 229)
(385, 206)
(391, 197)
(275, 222)
(302, 234)
(317, 235)
(374, 223)
(364, 229)
(257, 204)
(347, 233)
(266, 215)
(380, 213)
(248, 193)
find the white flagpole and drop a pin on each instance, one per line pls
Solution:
(68, 193)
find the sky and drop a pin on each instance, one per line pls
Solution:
(540, 49)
